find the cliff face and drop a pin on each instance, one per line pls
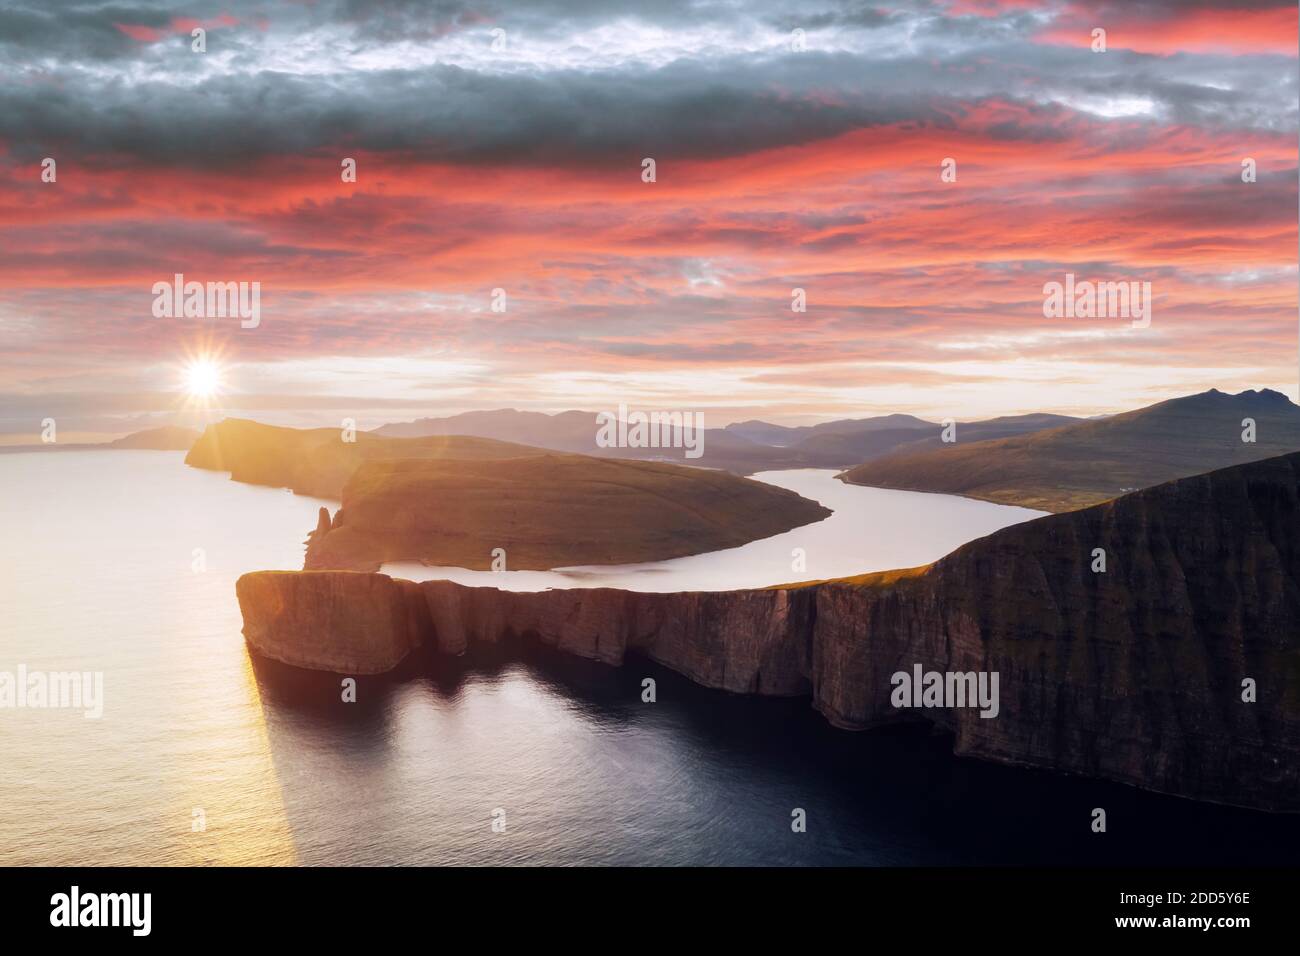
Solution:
(1131, 674)
(348, 622)
(1134, 674)
(344, 621)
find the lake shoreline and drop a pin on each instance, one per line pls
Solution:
(868, 530)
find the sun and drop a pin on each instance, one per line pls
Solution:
(202, 378)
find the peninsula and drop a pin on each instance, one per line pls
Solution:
(545, 511)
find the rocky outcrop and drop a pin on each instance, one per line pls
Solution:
(1134, 673)
(359, 623)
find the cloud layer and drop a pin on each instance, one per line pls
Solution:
(503, 149)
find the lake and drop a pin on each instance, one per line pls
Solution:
(124, 563)
(871, 529)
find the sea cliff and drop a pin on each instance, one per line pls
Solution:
(1133, 674)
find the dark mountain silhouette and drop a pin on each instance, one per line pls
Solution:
(1077, 465)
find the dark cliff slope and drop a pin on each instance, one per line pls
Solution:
(1134, 674)
(1083, 464)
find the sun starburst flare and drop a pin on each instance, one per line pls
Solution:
(202, 380)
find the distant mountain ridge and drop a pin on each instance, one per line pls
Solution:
(317, 461)
(163, 438)
(742, 448)
(1087, 462)
(784, 436)
(1038, 460)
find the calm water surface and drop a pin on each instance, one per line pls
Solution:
(871, 529)
(98, 562)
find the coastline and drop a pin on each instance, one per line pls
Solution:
(1084, 689)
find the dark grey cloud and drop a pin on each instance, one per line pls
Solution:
(332, 76)
(442, 113)
(43, 33)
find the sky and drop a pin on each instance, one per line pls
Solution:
(501, 146)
